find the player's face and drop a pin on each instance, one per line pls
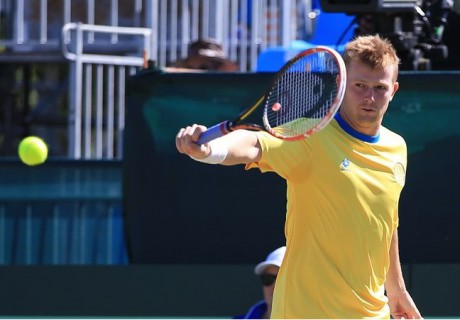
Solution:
(368, 94)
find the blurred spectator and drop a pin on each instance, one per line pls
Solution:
(206, 54)
(267, 271)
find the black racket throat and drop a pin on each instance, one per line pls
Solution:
(229, 126)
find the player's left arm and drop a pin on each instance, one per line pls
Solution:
(399, 299)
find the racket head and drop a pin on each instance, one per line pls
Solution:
(305, 94)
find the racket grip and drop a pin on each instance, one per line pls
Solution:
(213, 132)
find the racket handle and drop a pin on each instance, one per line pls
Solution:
(214, 132)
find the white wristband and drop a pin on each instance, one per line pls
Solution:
(217, 155)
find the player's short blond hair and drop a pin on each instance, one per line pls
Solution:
(374, 51)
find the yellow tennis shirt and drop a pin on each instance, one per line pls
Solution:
(343, 190)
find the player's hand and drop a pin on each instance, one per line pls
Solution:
(403, 307)
(186, 140)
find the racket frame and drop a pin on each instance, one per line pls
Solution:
(335, 104)
(228, 126)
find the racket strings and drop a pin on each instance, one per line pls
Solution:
(303, 95)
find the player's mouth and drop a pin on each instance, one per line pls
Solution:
(368, 109)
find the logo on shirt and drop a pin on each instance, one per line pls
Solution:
(399, 173)
(345, 165)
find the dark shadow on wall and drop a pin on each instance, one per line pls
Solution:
(430, 204)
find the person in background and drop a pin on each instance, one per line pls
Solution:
(206, 54)
(267, 271)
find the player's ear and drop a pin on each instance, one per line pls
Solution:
(395, 88)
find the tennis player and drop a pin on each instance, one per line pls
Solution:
(343, 189)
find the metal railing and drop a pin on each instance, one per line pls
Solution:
(97, 95)
(32, 25)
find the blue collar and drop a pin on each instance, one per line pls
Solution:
(358, 135)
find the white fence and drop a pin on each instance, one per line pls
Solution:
(97, 95)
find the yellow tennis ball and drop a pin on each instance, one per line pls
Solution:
(33, 151)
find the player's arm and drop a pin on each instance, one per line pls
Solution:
(237, 147)
(399, 300)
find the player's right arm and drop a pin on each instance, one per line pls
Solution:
(239, 146)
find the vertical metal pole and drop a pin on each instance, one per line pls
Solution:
(147, 45)
(99, 110)
(185, 28)
(241, 43)
(152, 23)
(114, 19)
(88, 110)
(43, 21)
(255, 36)
(195, 21)
(110, 116)
(284, 27)
(75, 96)
(173, 34)
(205, 32)
(121, 110)
(137, 13)
(67, 11)
(235, 27)
(19, 30)
(91, 19)
(67, 17)
(163, 31)
(219, 19)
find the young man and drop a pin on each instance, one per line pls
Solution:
(343, 188)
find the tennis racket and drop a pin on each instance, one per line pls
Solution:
(302, 98)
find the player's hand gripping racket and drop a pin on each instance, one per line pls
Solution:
(303, 97)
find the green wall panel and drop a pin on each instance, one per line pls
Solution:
(178, 210)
